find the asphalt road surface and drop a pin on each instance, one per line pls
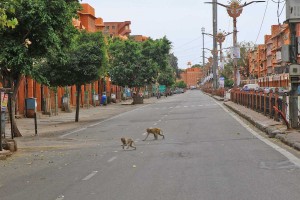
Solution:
(207, 154)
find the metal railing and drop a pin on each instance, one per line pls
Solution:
(269, 104)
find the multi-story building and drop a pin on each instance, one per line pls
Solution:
(191, 76)
(266, 60)
(117, 28)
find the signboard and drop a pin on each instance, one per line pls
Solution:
(221, 82)
(235, 52)
(4, 100)
(221, 65)
(162, 88)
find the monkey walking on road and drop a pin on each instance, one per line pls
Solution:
(127, 142)
(155, 132)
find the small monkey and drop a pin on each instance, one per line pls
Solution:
(127, 142)
(155, 132)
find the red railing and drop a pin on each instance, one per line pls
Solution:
(270, 104)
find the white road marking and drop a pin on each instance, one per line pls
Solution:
(155, 124)
(90, 175)
(62, 136)
(112, 159)
(284, 152)
(61, 197)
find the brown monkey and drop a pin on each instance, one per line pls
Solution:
(127, 142)
(155, 132)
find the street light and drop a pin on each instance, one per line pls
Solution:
(203, 31)
(234, 10)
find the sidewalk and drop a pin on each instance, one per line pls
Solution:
(271, 127)
(49, 128)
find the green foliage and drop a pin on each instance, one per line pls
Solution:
(125, 58)
(173, 62)
(243, 62)
(83, 63)
(196, 66)
(41, 29)
(167, 77)
(7, 10)
(136, 64)
(227, 73)
(180, 84)
(228, 83)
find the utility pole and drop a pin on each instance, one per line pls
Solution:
(293, 98)
(215, 45)
(292, 18)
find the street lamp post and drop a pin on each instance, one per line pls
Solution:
(234, 10)
(203, 56)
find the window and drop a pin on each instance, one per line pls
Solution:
(107, 27)
(113, 27)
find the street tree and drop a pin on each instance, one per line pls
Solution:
(180, 84)
(173, 61)
(42, 26)
(83, 63)
(243, 61)
(136, 64)
(167, 77)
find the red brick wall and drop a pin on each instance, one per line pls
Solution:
(191, 76)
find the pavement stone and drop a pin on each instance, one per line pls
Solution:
(272, 128)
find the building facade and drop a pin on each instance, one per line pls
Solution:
(191, 76)
(265, 61)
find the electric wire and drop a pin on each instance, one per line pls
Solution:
(188, 42)
(279, 1)
(262, 22)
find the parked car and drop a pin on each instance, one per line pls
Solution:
(281, 90)
(248, 87)
(178, 91)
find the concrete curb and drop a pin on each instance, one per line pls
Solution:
(4, 154)
(271, 131)
(283, 138)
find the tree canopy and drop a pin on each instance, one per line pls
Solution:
(136, 64)
(82, 63)
(43, 26)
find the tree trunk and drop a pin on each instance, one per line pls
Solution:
(137, 99)
(15, 130)
(78, 88)
(14, 88)
(56, 102)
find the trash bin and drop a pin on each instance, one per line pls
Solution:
(30, 104)
(103, 99)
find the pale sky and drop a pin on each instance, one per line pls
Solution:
(181, 22)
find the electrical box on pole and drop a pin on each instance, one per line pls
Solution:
(294, 73)
(285, 53)
(293, 11)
